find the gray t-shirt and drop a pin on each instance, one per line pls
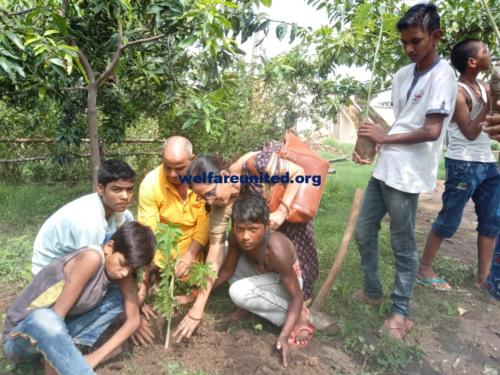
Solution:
(47, 285)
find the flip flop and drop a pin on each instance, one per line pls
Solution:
(293, 335)
(437, 283)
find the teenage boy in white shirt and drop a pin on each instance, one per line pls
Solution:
(423, 96)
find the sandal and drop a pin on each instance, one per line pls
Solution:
(437, 283)
(309, 328)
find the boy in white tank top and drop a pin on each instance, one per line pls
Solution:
(471, 169)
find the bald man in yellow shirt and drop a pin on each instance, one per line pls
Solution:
(163, 199)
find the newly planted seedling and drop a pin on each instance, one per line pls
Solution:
(167, 239)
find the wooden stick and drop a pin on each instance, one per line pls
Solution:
(337, 264)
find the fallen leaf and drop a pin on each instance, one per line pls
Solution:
(461, 311)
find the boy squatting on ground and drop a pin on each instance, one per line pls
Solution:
(90, 220)
(471, 169)
(263, 270)
(423, 95)
(58, 307)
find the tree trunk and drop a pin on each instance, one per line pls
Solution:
(95, 157)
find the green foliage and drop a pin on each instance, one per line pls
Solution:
(281, 30)
(200, 273)
(167, 239)
(393, 355)
(136, 55)
(351, 36)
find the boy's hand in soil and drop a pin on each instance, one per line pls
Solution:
(148, 311)
(144, 334)
(283, 346)
(186, 327)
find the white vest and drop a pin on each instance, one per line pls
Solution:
(459, 147)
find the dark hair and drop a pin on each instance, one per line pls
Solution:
(113, 170)
(251, 208)
(206, 164)
(136, 242)
(422, 15)
(462, 52)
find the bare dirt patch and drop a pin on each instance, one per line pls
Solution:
(215, 349)
(462, 246)
(453, 343)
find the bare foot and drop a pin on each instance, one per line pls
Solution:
(360, 296)
(397, 326)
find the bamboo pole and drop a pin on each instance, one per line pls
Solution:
(339, 259)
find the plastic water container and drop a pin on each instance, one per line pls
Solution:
(494, 277)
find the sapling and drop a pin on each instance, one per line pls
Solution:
(365, 147)
(167, 239)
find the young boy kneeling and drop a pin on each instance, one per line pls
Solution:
(267, 279)
(57, 309)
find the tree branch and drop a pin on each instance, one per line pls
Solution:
(115, 58)
(141, 41)
(76, 88)
(64, 8)
(85, 63)
(19, 13)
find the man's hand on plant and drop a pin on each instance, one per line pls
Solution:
(187, 326)
(284, 347)
(144, 335)
(184, 264)
(277, 218)
(373, 132)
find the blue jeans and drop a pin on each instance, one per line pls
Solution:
(43, 331)
(466, 180)
(494, 276)
(380, 199)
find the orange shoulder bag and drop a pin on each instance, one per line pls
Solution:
(308, 197)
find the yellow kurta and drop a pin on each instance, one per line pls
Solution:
(159, 201)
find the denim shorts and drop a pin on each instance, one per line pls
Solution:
(466, 180)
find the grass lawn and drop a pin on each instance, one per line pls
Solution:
(24, 208)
